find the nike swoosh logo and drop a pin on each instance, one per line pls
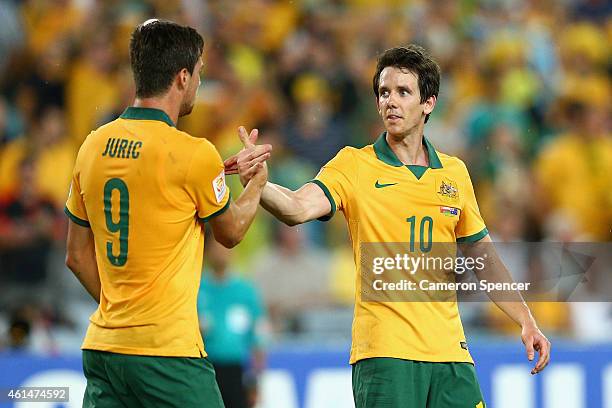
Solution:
(379, 185)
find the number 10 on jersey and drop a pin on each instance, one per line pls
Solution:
(425, 232)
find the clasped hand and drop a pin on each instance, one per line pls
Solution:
(250, 162)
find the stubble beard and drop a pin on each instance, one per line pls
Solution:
(186, 108)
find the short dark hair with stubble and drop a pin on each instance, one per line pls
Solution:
(158, 51)
(415, 59)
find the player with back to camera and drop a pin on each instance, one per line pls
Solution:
(140, 193)
(404, 354)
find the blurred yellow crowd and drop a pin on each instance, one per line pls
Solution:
(524, 100)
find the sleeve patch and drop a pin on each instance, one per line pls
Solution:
(219, 186)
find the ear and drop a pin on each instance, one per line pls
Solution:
(183, 78)
(429, 105)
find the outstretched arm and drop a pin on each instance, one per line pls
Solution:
(295, 207)
(291, 207)
(511, 302)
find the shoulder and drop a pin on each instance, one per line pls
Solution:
(198, 152)
(191, 142)
(347, 153)
(100, 134)
(346, 157)
(201, 145)
(453, 164)
(95, 139)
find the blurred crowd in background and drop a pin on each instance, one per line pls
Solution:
(524, 101)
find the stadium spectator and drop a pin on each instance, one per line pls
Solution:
(28, 225)
(51, 151)
(293, 277)
(11, 35)
(92, 89)
(232, 320)
(578, 189)
(312, 132)
(18, 333)
(48, 81)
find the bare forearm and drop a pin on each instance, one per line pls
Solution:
(282, 204)
(246, 208)
(517, 311)
(511, 302)
(86, 271)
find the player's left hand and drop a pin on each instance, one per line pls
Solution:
(231, 163)
(534, 340)
(250, 162)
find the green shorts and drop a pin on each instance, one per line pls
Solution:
(126, 381)
(396, 383)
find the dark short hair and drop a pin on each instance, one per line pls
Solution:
(416, 60)
(158, 51)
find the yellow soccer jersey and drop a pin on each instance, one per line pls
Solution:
(144, 187)
(386, 201)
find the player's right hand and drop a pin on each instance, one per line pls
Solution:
(231, 163)
(250, 162)
(535, 341)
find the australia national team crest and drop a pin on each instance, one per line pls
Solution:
(447, 190)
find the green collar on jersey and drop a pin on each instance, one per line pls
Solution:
(384, 153)
(138, 113)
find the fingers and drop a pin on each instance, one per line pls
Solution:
(251, 159)
(231, 165)
(543, 346)
(242, 135)
(529, 348)
(245, 166)
(231, 161)
(247, 157)
(253, 136)
(253, 152)
(249, 173)
(247, 140)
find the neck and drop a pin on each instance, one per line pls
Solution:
(409, 148)
(167, 103)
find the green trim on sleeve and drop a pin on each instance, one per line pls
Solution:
(475, 237)
(329, 197)
(218, 212)
(75, 219)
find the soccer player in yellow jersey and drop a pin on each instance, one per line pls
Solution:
(140, 193)
(404, 354)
